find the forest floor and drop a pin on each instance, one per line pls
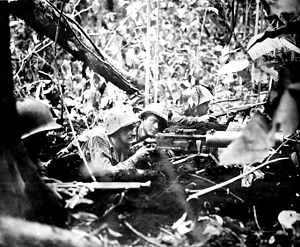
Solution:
(160, 215)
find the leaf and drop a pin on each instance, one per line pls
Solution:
(287, 218)
(114, 233)
(289, 45)
(254, 39)
(264, 47)
(206, 228)
(263, 74)
(268, 45)
(286, 115)
(253, 145)
(234, 66)
(212, 9)
(185, 84)
(285, 6)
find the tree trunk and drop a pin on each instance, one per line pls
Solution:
(12, 189)
(22, 191)
(44, 18)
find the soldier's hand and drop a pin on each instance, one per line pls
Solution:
(150, 142)
(142, 153)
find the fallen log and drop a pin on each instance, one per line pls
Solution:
(18, 232)
(43, 17)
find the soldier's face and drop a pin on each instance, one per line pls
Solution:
(151, 125)
(126, 135)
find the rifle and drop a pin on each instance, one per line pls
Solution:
(100, 185)
(236, 109)
(77, 190)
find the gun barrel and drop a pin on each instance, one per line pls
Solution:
(221, 138)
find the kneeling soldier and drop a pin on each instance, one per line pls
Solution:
(107, 152)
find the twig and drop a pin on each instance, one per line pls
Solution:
(74, 7)
(148, 54)
(71, 124)
(255, 218)
(232, 180)
(122, 196)
(30, 53)
(77, 142)
(156, 70)
(121, 25)
(141, 235)
(82, 11)
(58, 27)
(212, 182)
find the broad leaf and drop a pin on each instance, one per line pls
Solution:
(264, 47)
(253, 145)
(268, 45)
(234, 66)
(287, 218)
(289, 45)
(285, 6)
(286, 116)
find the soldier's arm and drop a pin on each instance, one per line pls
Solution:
(187, 120)
(101, 159)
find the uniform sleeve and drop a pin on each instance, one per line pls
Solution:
(184, 120)
(101, 159)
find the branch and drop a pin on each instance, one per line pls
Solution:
(18, 232)
(43, 17)
(232, 180)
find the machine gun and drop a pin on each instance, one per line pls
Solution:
(191, 144)
(186, 140)
(78, 190)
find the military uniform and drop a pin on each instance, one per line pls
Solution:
(101, 153)
(103, 157)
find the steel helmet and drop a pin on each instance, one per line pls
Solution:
(157, 109)
(119, 117)
(34, 117)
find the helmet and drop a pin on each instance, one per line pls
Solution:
(157, 109)
(34, 117)
(205, 95)
(119, 117)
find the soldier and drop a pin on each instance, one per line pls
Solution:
(195, 114)
(154, 119)
(35, 120)
(107, 152)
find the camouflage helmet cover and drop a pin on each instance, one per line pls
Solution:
(157, 109)
(119, 117)
(35, 117)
